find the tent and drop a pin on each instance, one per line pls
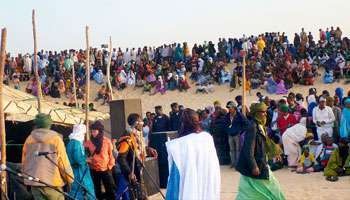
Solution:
(20, 106)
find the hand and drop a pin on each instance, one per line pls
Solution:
(152, 152)
(278, 158)
(318, 123)
(256, 171)
(132, 177)
(89, 160)
(323, 123)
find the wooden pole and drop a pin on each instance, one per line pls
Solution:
(109, 69)
(39, 95)
(2, 114)
(244, 92)
(87, 86)
(74, 87)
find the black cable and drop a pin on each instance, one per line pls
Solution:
(67, 174)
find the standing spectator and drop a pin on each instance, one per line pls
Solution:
(77, 159)
(337, 114)
(42, 139)
(323, 117)
(101, 161)
(161, 121)
(235, 124)
(345, 120)
(175, 116)
(193, 160)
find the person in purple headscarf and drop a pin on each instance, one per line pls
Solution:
(280, 88)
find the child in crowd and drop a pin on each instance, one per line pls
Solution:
(306, 161)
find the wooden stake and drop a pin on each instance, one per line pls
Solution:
(87, 86)
(74, 87)
(109, 69)
(2, 114)
(39, 94)
(244, 93)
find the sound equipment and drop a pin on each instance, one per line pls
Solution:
(119, 112)
(157, 141)
(151, 165)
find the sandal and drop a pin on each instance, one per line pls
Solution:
(332, 178)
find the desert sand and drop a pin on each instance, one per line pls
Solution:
(296, 186)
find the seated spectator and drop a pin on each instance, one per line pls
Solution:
(183, 84)
(339, 162)
(172, 83)
(280, 87)
(54, 92)
(328, 77)
(324, 152)
(101, 93)
(61, 87)
(306, 162)
(160, 86)
(98, 77)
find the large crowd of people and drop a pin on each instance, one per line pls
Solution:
(305, 133)
(273, 62)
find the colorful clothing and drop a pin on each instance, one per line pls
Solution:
(262, 189)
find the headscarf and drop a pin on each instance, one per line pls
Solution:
(98, 140)
(43, 121)
(78, 133)
(340, 93)
(255, 108)
(345, 120)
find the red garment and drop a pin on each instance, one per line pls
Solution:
(285, 122)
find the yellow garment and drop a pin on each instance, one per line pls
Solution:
(261, 45)
(41, 140)
(311, 157)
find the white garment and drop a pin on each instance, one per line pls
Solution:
(195, 157)
(291, 138)
(28, 65)
(78, 133)
(325, 115)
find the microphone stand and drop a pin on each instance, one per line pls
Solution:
(86, 191)
(33, 179)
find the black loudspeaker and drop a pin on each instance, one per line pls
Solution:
(119, 111)
(157, 141)
(151, 176)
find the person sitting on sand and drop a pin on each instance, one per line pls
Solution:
(324, 152)
(160, 86)
(339, 162)
(183, 84)
(98, 77)
(101, 93)
(61, 87)
(306, 161)
(280, 87)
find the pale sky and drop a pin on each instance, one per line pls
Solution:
(134, 23)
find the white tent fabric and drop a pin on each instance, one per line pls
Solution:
(20, 106)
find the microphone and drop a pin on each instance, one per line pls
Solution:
(43, 153)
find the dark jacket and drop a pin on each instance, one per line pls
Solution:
(237, 125)
(253, 153)
(161, 124)
(175, 121)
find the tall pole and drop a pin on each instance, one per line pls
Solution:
(2, 114)
(244, 92)
(87, 86)
(109, 69)
(74, 87)
(39, 95)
